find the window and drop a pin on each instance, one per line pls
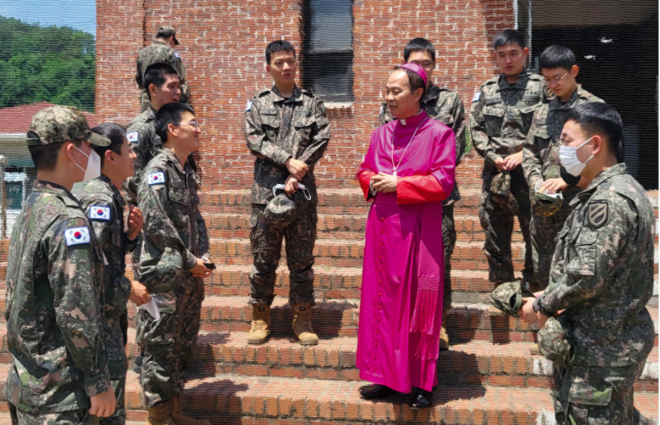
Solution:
(327, 57)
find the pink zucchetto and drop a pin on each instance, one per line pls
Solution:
(411, 66)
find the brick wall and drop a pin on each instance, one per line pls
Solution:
(223, 45)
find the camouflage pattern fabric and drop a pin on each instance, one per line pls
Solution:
(59, 124)
(266, 244)
(277, 129)
(541, 162)
(281, 211)
(73, 417)
(445, 106)
(552, 342)
(500, 118)
(104, 206)
(146, 144)
(159, 52)
(544, 205)
(602, 276)
(501, 184)
(54, 278)
(496, 214)
(174, 237)
(508, 297)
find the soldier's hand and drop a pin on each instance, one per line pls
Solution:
(135, 221)
(553, 186)
(291, 186)
(200, 270)
(499, 164)
(296, 168)
(527, 312)
(139, 294)
(512, 161)
(103, 405)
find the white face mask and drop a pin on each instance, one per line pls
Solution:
(93, 165)
(569, 160)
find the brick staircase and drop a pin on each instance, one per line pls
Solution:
(488, 376)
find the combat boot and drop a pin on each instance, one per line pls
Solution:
(444, 338)
(302, 324)
(180, 419)
(260, 324)
(160, 415)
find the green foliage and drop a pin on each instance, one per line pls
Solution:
(49, 64)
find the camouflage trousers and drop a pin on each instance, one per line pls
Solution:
(544, 231)
(449, 241)
(72, 417)
(169, 343)
(496, 216)
(115, 343)
(596, 395)
(266, 244)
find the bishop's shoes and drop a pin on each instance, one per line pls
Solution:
(420, 398)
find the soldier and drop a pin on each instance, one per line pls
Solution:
(500, 118)
(55, 335)
(173, 263)
(599, 332)
(288, 131)
(444, 105)
(541, 153)
(161, 50)
(101, 200)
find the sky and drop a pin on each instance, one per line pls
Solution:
(77, 14)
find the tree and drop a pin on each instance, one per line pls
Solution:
(46, 64)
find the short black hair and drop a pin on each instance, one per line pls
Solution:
(155, 74)
(509, 36)
(170, 113)
(115, 133)
(601, 119)
(419, 44)
(557, 57)
(279, 46)
(414, 81)
(45, 156)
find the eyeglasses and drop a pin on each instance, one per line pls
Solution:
(555, 80)
(194, 124)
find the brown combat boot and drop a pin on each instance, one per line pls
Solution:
(302, 324)
(444, 338)
(260, 324)
(180, 419)
(534, 350)
(160, 414)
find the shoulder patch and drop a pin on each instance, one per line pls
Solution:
(476, 97)
(97, 212)
(249, 106)
(178, 55)
(133, 137)
(549, 94)
(598, 213)
(77, 236)
(381, 110)
(156, 178)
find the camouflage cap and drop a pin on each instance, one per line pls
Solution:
(501, 184)
(167, 32)
(553, 343)
(544, 205)
(59, 124)
(508, 297)
(282, 210)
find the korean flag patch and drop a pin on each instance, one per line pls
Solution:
(178, 55)
(156, 178)
(77, 236)
(476, 97)
(133, 137)
(249, 106)
(99, 213)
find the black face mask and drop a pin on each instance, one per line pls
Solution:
(570, 179)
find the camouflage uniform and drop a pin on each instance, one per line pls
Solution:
(443, 105)
(277, 129)
(104, 206)
(500, 117)
(541, 162)
(146, 144)
(602, 277)
(174, 237)
(54, 298)
(159, 52)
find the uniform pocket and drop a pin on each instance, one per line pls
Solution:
(494, 118)
(527, 114)
(583, 262)
(304, 126)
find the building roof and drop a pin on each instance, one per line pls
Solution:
(17, 119)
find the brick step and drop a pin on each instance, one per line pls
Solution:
(349, 253)
(337, 226)
(231, 398)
